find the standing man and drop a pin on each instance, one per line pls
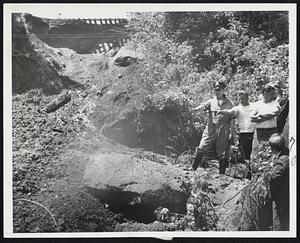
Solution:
(265, 114)
(242, 113)
(284, 107)
(219, 128)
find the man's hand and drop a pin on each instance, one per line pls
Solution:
(254, 118)
(258, 119)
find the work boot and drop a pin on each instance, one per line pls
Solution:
(223, 164)
(221, 167)
(197, 160)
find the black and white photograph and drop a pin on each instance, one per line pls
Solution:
(161, 120)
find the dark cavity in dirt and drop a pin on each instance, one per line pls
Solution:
(141, 213)
(160, 132)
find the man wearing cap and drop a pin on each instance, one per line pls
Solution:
(242, 113)
(218, 130)
(265, 113)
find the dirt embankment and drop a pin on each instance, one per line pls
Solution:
(52, 150)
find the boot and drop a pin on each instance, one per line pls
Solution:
(223, 164)
(249, 176)
(197, 160)
(221, 167)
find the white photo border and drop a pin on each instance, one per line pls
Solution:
(8, 9)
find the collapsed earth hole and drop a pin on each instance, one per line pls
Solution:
(163, 132)
(140, 212)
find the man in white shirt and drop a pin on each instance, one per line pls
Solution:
(265, 114)
(242, 113)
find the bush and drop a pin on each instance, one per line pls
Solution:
(167, 118)
(166, 63)
(248, 62)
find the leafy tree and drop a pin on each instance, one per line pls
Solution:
(166, 63)
(197, 29)
(200, 29)
(266, 23)
(248, 62)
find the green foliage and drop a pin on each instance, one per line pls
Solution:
(172, 109)
(200, 29)
(266, 23)
(262, 157)
(248, 62)
(166, 63)
(233, 51)
(174, 44)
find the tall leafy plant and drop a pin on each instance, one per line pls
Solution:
(166, 63)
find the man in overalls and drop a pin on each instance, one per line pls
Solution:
(219, 128)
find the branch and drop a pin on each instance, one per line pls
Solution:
(234, 195)
(22, 199)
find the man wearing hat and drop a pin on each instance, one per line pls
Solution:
(218, 129)
(265, 114)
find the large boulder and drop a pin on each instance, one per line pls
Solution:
(136, 184)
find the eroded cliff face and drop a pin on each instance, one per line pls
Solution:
(31, 68)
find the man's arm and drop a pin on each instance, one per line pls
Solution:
(200, 107)
(230, 112)
(203, 106)
(266, 116)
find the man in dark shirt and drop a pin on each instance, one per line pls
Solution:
(279, 182)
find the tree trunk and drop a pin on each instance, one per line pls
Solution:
(58, 102)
